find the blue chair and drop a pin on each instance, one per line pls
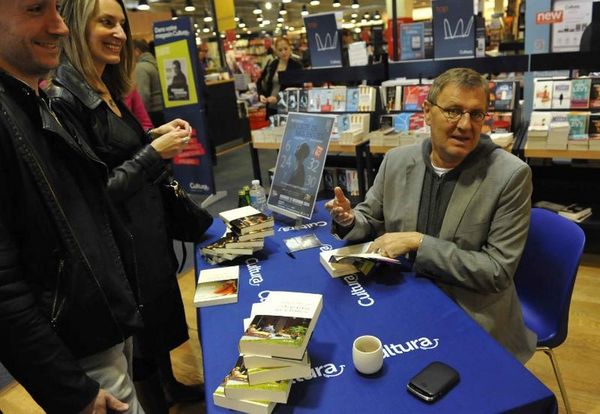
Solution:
(545, 279)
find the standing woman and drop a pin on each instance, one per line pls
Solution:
(88, 89)
(268, 84)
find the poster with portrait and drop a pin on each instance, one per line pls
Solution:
(176, 74)
(300, 164)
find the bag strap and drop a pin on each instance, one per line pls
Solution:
(183, 257)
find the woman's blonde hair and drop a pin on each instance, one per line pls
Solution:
(77, 15)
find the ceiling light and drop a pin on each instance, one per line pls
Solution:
(143, 5)
(280, 19)
(236, 19)
(291, 28)
(257, 9)
(304, 11)
(241, 23)
(286, 1)
(336, 3)
(268, 5)
(189, 6)
(367, 15)
(259, 18)
(314, 2)
(173, 14)
(355, 4)
(206, 29)
(207, 17)
(377, 15)
(279, 24)
(266, 22)
(354, 15)
(282, 9)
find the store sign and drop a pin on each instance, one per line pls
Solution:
(549, 17)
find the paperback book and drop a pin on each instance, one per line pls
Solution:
(561, 94)
(244, 406)
(220, 247)
(251, 223)
(580, 93)
(217, 286)
(237, 386)
(542, 95)
(282, 325)
(595, 93)
(504, 95)
(257, 361)
(414, 96)
(260, 375)
(352, 99)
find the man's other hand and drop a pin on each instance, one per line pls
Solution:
(105, 403)
(340, 209)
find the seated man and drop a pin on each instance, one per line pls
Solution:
(459, 204)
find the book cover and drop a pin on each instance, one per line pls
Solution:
(329, 179)
(412, 43)
(236, 386)
(282, 102)
(236, 213)
(561, 94)
(578, 122)
(540, 118)
(594, 126)
(254, 222)
(282, 325)
(366, 98)
(492, 96)
(217, 286)
(595, 93)
(414, 96)
(505, 95)
(398, 101)
(402, 122)
(338, 98)
(580, 93)
(314, 100)
(389, 99)
(258, 234)
(349, 260)
(352, 99)
(245, 406)
(293, 98)
(326, 99)
(453, 29)
(303, 100)
(416, 121)
(542, 94)
(566, 33)
(232, 241)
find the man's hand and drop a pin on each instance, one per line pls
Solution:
(176, 124)
(105, 403)
(396, 244)
(340, 209)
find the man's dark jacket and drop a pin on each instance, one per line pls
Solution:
(64, 293)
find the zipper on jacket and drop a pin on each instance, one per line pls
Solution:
(57, 307)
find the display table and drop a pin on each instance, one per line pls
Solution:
(416, 322)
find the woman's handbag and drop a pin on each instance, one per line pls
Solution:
(185, 220)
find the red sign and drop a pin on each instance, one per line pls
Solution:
(549, 17)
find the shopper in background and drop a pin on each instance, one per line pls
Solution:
(89, 86)
(268, 84)
(133, 102)
(459, 204)
(147, 81)
(206, 62)
(347, 40)
(67, 309)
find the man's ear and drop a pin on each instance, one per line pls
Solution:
(427, 112)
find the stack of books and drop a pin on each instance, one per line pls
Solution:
(574, 212)
(247, 228)
(272, 352)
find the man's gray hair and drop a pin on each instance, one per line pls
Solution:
(464, 78)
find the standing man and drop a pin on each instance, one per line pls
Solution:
(67, 306)
(206, 62)
(459, 204)
(147, 81)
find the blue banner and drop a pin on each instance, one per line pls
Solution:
(324, 40)
(453, 29)
(183, 96)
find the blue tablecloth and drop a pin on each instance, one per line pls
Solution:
(416, 322)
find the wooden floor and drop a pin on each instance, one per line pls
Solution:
(579, 356)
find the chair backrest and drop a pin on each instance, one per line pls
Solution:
(546, 274)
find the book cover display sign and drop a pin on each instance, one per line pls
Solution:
(453, 29)
(324, 40)
(300, 164)
(576, 16)
(177, 66)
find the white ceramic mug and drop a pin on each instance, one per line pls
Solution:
(367, 354)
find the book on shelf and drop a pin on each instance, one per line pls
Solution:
(594, 126)
(367, 98)
(595, 93)
(217, 286)
(504, 95)
(561, 94)
(293, 99)
(282, 325)
(354, 259)
(244, 406)
(578, 122)
(412, 41)
(237, 386)
(389, 97)
(558, 135)
(257, 361)
(542, 94)
(259, 375)
(414, 96)
(303, 100)
(580, 93)
(338, 98)
(352, 99)
(282, 102)
(578, 142)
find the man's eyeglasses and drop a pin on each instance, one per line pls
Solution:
(454, 114)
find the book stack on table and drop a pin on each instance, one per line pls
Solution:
(273, 352)
(573, 212)
(247, 228)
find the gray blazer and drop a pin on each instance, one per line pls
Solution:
(481, 240)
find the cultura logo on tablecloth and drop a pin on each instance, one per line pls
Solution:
(304, 226)
(423, 344)
(364, 299)
(325, 371)
(253, 267)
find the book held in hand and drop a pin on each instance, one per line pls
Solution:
(217, 286)
(354, 259)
